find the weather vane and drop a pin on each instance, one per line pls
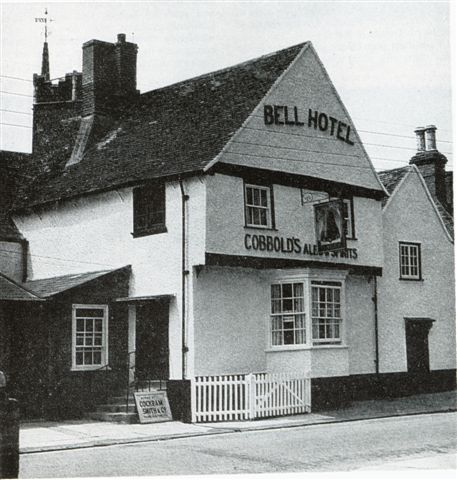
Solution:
(44, 20)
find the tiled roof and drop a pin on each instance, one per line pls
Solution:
(10, 290)
(391, 178)
(174, 130)
(47, 287)
(446, 216)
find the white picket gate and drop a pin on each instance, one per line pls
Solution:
(249, 396)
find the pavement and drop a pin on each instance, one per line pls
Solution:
(44, 436)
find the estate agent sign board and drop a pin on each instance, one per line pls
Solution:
(152, 407)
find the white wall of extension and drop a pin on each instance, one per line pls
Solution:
(410, 216)
(94, 233)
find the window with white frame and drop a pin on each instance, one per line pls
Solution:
(287, 314)
(90, 337)
(326, 312)
(410, 261)
(348, 222)
(258, 206)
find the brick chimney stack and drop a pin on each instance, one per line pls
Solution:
(109, 75)
(108, 83)
(431, 163)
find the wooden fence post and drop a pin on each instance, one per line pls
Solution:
(251, 388)
(193, 403)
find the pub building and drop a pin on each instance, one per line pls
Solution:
(225, 229)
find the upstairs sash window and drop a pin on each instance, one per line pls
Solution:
(258, 206)
(410, 261)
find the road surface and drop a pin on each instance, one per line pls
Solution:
(430, 440)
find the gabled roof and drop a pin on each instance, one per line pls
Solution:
(392, 180)
(13, 291)
(48, 287)
(171, 131)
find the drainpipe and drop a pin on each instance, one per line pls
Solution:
(184, 273)
(375, 301)
(25, 257)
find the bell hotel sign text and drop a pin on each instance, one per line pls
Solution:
(284, 115)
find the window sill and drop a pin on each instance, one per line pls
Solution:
(150, 231)
(259, 227)
(411, 279)
(288, 348)
(99, 368)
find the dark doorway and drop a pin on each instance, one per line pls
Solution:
(152, 341)
(417, 345)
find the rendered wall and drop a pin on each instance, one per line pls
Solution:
(225, 223)
(410, 217)
(231, 327)
(94, 233)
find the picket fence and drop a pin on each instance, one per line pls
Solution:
(248, 396)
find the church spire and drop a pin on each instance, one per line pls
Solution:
(45, 62)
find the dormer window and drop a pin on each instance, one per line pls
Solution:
(149, 210)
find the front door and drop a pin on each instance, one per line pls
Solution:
(151, 359)
(417, 346)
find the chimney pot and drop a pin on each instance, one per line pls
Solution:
(430, 137)
(420, 138)
(121, 37)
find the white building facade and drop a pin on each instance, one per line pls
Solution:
(226, 276)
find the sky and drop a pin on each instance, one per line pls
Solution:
(389, 61)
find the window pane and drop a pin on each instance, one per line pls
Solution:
(298, 305)
(288, 337)
(79, 358)
(287, 305)
(97, 358)
(263, 198)
(90, 312)
(287, 290)
(256, 197)
(276, 306)
(263, 217)
(276, 291)
(87, 357)
(298, 289)
(249, 195)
